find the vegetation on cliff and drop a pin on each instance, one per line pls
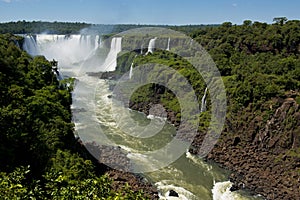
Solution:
(260, 67)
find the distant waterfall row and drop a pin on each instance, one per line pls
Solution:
(77, 54)
(67, 49)
(152, 46)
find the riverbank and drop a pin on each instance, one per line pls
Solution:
(263, 153)
(120, 179)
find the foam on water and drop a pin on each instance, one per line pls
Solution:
(164, 187)
(221, 191)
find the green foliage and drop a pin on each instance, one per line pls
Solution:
(22, 27)
(258, 62)
(261, 60)
(12, 185)
(36, 132)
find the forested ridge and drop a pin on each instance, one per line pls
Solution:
(39, 156)
(34, 27)
(38, 27)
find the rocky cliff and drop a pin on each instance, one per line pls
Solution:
(262, 148)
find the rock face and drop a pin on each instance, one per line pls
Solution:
(172, 193)
(263, 153)
(115, 156)
(136, 183)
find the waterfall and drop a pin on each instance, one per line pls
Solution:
(110, 62)
(69, 50)
(67, 47)
(130, 71)
(203, 101)
(168, 46)
(30, 45)
(142, 46)
(97, 42)
(151, 45)
(191, 43)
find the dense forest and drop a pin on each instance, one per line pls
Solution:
(260, 67)
(39, 156)
(26, 27)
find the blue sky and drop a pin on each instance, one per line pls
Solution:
(148, 11)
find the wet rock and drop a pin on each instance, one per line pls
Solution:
(234, 187)
(236, 141)
(172, 193)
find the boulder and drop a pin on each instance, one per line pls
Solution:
(172, 193)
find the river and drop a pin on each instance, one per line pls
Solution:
(191, 177)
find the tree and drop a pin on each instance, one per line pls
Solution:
(247, 23)
(280, 20)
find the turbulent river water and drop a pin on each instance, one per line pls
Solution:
(189, 176)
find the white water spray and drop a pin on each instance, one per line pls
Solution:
(168, 46)
(110, 62)
(203, 101)
(130, 71)
(68, 50)
(151, 45)
(30, 45)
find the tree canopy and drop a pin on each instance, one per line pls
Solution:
(38, 154)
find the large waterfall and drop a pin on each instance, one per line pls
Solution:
(66, 48)
(73, 51)
(111, 61)
(30, 45)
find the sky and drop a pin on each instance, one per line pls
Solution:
(172, 12)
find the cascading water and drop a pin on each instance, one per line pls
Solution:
(168, 46)
(111, 61)
(151, 45)
(130, 70)
(97, 42)
(30, 45)
(142, 47)
(68, 50)
(203, 101)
